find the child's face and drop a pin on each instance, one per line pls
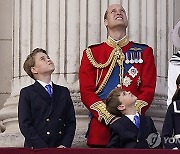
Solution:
(43, 64)
(127, 98)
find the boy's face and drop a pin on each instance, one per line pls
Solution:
(127, 98)
(43, 64)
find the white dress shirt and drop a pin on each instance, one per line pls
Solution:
(131, 117)
(173, 72)
(44, 84)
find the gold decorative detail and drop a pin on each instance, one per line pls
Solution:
(106, 78)
(120, 61)
(100, 107)
(93, 61)
(135, 49)
(140, 104)
(116, 56)
(98, 78)
(121, 43)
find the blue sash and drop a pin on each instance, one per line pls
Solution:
(114, 78)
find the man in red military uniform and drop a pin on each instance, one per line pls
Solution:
(117, 62)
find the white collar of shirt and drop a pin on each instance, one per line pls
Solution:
(117, 41)
(44, 84)
(131, 116)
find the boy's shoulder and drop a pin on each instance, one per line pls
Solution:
(145, 117)
(27, 87)
(119, 121)
(60, 87)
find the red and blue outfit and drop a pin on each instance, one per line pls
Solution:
(101, 71)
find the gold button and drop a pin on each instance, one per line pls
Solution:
(48, 133)
(60, 132)
(47, 120)
(64, 125)
(59, 119)
(137, 140)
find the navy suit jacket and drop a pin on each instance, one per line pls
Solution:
(125, 134)
(171, 126)
(46, 121)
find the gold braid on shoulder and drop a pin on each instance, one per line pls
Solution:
(93, 61)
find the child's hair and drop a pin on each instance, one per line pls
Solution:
(30, 61)
(112, 102)
(177, 93)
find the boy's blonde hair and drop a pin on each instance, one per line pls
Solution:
(30, 61)
(112, 102)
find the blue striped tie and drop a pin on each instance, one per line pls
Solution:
(49, 89)
(137, 121)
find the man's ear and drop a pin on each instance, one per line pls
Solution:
(33, 70)
(105, 22)
(121, 107)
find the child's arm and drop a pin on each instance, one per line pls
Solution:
(168, 127)
(70, 123)
(25, 121)
(114, 141)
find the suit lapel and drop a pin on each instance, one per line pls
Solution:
(42, 92)
(143, 124)
(55, 98)
(129, 124)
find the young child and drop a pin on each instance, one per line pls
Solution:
(46, 112)
(171, 126)
(131, 130)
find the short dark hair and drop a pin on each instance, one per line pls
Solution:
(30, 61)
(112, 102)
(176, 95)
(105, 15)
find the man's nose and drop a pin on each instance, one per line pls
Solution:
(118, 12)
(48, 59)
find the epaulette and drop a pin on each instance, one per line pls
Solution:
(140, 104)
(95, 45)
(103, 114)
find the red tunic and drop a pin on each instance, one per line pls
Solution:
(98, 132)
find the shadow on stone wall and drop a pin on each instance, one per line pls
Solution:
(157, 111)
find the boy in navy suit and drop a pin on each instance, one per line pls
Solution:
(132, 130)
(46, 112)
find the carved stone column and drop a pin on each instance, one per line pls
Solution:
(54, 26)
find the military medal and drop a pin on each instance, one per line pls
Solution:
(135, 59)
(127, 59)
(127, 81)
(133, 71)
(140, 59)
(131, 60)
